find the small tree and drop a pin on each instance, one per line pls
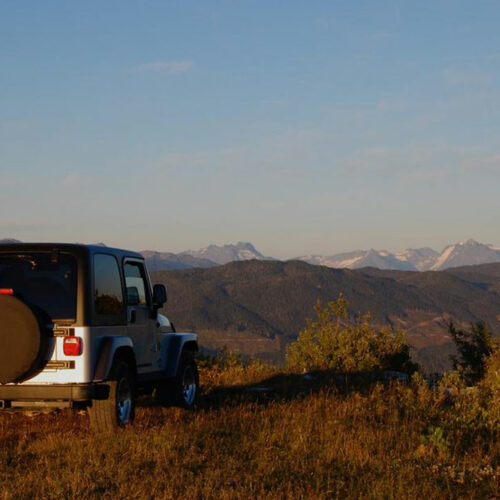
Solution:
(474, 347)
(335, 342)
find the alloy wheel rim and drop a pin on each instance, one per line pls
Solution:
(124, 401)
(189, 386)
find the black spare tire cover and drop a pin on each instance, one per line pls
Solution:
(22, 339)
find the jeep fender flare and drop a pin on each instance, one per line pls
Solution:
(171, 349)
(109, 348)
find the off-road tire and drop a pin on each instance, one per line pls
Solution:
(118, 410)
(184, 388)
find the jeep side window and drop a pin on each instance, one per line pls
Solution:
(137, 290)
(108, 295)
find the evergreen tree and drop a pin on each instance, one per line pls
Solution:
(474, 347)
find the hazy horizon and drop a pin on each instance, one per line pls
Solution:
(263, 252)
(312, 129)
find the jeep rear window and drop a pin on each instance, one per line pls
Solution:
(45, 280)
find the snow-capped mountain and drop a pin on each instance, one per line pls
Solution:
(361, 258)
(466, 254)
(227, 253)
(421, 259)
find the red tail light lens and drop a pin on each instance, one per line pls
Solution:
(6, 291)
(72, 346)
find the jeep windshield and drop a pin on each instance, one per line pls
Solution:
(43, 279)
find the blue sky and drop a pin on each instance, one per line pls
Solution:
(304, 127)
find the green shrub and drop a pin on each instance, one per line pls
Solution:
(336, 342)
(489, 392)
(474, 347)
(471, 413)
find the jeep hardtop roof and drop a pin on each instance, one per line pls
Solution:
(83, 254)
(75, 248)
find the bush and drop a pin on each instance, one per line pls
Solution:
(474, 348)
(335, 342)
(489, 391)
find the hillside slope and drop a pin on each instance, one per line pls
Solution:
(257, 307)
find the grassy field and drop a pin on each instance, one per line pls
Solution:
(288, 437)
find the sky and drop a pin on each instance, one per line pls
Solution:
(304, 127)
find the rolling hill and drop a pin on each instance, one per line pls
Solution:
(257, 307)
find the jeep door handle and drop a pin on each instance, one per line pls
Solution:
(133, 316)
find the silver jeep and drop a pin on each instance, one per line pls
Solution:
(80, 328)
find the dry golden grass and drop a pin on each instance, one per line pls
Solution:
(301, 440)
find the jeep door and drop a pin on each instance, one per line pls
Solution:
(141, 322)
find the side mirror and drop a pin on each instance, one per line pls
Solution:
(159, 296)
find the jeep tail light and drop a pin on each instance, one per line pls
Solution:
(6, 291)
(72, 346)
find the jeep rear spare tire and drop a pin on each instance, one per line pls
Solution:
(22, 340)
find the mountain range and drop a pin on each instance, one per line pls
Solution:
(467, 253)
(6, 241)
(210, 256)
(227, 253)
(422, 259)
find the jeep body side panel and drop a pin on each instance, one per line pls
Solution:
(62, 369)
(163, 324)
(81, 369)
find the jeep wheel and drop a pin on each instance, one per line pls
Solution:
(118, 410)
(183, 389)
(189, 383)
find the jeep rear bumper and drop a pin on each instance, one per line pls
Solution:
(62, 392)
